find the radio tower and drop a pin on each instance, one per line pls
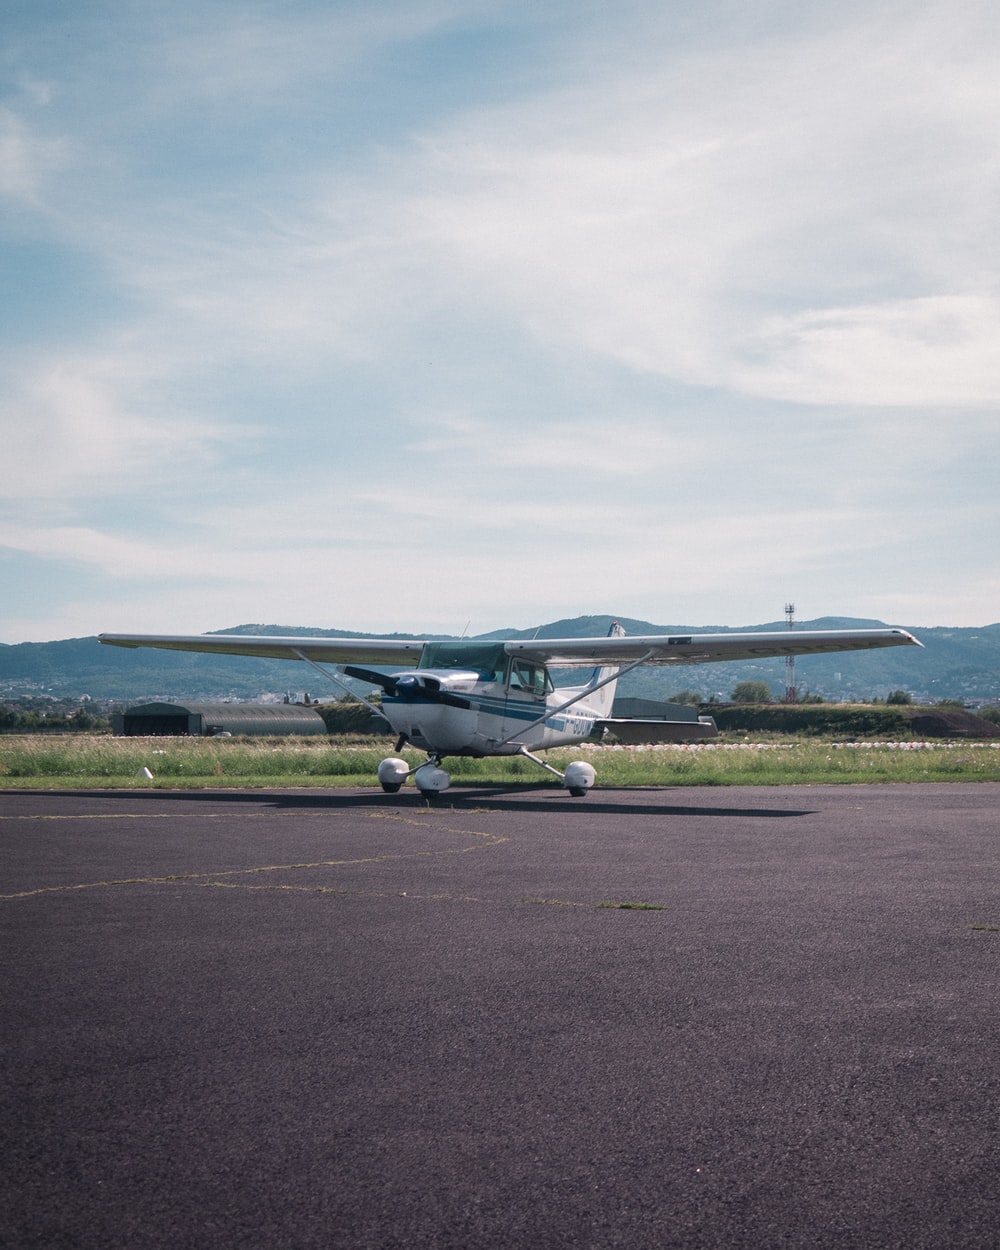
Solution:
(790, 695)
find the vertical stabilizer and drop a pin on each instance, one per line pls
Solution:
(601, 700)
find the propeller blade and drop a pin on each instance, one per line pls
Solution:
(409, 687)
(387, 683)
(454, 700)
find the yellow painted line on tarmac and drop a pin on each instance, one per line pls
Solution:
(152, 816)
(484, 841)
(344, 893)
(115, 816)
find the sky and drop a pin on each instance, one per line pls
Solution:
(455, 315)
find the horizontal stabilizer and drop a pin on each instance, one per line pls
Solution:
(634, 732)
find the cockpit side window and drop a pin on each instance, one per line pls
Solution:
(532, 678)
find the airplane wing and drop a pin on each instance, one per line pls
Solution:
(702, 648)
(557, 652)
(405, 652)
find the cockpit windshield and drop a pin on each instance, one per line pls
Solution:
(488, 659)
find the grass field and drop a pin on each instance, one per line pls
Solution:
(76, 761)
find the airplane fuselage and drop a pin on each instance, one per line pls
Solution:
(499, 719)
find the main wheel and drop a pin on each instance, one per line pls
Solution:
(578, 778)
(392, 773)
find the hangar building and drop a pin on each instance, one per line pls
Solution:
(206, 720)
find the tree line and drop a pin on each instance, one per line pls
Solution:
(49, 717)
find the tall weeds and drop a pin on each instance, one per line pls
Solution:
(93, 761)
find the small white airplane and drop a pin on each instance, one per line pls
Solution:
(480, 697)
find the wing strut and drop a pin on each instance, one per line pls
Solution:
(339, 681)
(582, 694)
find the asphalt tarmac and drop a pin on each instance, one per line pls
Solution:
(341, 1019)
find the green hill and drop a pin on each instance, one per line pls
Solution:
(954, 664)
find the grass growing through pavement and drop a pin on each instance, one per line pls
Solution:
(75, 761)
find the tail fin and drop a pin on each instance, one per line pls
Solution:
(602, 700)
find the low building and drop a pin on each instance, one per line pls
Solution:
(207, 720)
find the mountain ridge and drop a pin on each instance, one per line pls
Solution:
(955, 663)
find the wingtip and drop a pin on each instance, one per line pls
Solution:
(115, 640)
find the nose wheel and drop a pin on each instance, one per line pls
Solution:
(430, 778)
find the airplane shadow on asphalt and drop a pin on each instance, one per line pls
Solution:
(629, 802)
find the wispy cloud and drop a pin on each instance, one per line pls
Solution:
(939, 350)
(26, 158)
(661, 222)
(89, 426)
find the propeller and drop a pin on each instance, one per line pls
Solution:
(409, 686)
(387, 683)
